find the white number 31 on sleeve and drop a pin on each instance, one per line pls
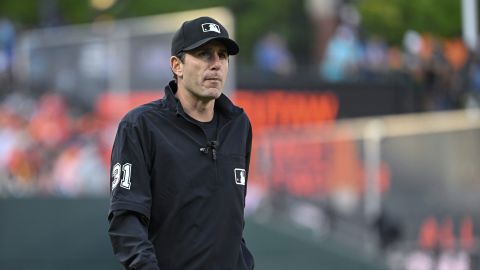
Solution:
(117, 174)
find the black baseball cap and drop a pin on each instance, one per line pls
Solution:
(193, 34)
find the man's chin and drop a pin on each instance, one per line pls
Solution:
(210, 94)
(215, 95)
(213, 91)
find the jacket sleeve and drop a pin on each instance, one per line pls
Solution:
(247, 159)
(130, 169)
(129, 237)
(130, 197)
(247, 255)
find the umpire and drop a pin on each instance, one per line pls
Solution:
(179, 165)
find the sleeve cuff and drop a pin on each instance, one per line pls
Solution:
(148, 266)
(120, 205)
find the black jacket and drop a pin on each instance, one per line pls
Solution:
(178, 199)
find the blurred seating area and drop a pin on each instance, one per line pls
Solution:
(442, 71)
(47, 150)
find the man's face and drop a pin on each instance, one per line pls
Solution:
(204, 71)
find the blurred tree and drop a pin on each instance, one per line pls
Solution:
(442, 18)
(392, 18)
(75, 12)
(253, 18)
(23, 13)
(388, 18)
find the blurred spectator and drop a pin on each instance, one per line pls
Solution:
(456, 54)
(419, 260)
(323, 14)
(439, 69)
(395, 59)
(375, 58)
(451, 260)
(349, 15)
(473, 74)
(412, 43)
(51, 124)
(273, 56)
(436, 76)
(19, 160)
(11, 140)
(423, 258)
(7, 44)
(342, 55)
(467, 236)
(388, 229)
(78, 170)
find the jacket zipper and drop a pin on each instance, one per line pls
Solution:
(211, 145)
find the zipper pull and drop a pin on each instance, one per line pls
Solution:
(214, 154)
(213, 147)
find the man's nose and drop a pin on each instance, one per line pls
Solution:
(215, 61)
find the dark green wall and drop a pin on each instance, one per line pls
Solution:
(54, 233)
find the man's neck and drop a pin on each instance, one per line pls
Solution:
(199, 110)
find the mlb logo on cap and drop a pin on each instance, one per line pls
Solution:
(210, 27)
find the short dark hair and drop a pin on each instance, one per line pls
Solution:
(181, 57)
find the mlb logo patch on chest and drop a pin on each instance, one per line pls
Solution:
(240, 176)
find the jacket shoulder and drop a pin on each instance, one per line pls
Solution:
(145, 111)
(244, 117)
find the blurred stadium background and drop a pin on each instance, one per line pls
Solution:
(365, 115)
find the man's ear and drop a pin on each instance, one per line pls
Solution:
(176, 65)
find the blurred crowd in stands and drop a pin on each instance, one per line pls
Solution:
(438, 248)
(45, 150)
(444, 71)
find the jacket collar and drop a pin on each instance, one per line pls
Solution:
(222, 104)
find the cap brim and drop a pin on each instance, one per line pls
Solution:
(232, 46)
